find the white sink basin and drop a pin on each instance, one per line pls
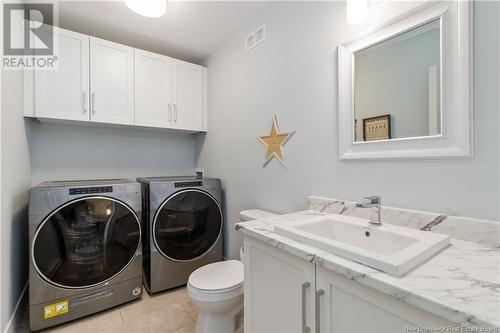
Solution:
(389, 248)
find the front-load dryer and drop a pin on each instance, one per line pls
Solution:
(182, 223)
(85, 248)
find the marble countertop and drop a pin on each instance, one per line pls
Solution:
(461, 283)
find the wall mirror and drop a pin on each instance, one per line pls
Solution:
(405, 87)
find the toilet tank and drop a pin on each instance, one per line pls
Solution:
(253, 214)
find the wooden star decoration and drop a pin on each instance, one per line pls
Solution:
(274, 143)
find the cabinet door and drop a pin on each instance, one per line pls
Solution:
(348, 307)
(187, 96)
(153, 89)
(63, 93)
(279, 290)
(111, 82)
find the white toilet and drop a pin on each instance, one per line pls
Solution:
(217, 290)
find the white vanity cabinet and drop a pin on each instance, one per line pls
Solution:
(279, 290)
(276, 301)
(344, 305)
(111, 82)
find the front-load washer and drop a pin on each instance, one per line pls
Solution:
(182, 222)
(85, 248)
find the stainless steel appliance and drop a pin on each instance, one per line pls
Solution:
(85, 248)
(182, 222)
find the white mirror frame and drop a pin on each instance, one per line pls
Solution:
(455, 140)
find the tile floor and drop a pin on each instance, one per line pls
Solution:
(168, 312)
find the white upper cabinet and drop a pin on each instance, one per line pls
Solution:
(111, 82)
(187, 91)
(108, 83)
(64, 93)
(153, 89)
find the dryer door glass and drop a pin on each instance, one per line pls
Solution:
(86, 242)
(187, 225)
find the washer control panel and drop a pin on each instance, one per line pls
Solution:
(90, 190)
(189, 184)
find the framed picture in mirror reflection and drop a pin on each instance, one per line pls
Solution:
(377, 128)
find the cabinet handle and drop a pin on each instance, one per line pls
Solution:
(175, 112)
(317, 318)
(93, 102)
(305, 328)
(169, 112)
(85, 102)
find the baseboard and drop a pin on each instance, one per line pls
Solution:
(15, 317)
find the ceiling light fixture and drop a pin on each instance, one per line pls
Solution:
(356, 11)
(148, 8)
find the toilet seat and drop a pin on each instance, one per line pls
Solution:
(218, 281)
(221, 296)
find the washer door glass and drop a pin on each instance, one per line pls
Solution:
(187, 225)
(86, 242)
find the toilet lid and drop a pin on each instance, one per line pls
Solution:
(221, 275)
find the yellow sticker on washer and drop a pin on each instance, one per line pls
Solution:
(55, 309)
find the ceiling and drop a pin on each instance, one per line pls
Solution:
(191, 30)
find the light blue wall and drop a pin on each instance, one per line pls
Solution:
(60, 152)
(16, 181)
(293, 74)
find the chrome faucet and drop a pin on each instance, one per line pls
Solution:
(372, 202)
